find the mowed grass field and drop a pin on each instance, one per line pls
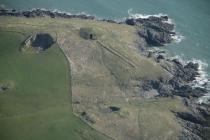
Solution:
(38, 104)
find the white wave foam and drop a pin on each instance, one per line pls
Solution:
(144, 16)
(202, 79)
(60, 11)
(204, 100)
(178, 38)
(180, 58)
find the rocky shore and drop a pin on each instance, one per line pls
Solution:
(195, 123)
(157, 31)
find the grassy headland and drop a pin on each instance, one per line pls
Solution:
(104, 72)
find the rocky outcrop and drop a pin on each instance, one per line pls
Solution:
(156, 30)
(179, 83)
(196, 122)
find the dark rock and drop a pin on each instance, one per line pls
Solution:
(28, 14)
(130, 21)
(198, 92)
(177, 62)
(154, 37)
(165, 90)
(160, 57)
(195, 123)
(192, 65)
(205, 111)
(185, 89)
(155, 30)
(190, 71)
(187, 72)
(175, 82)
(190, 117)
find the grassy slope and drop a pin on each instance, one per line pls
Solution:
(38, 107)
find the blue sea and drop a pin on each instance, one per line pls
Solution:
(191, 17)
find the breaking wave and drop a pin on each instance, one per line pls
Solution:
(202, 79)
(178, 38)
(144, 16)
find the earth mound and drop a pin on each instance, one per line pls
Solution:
(88, 33)
(43, 41)
(38, 42)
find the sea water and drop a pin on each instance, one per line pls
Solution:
(191, 17)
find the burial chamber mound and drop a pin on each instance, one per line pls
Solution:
(89, 33)
(42, 41)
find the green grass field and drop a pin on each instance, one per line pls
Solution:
(38, 104)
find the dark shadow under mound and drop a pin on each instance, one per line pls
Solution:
(43, 41)
(114, 108)
(88, 33)
(3, 88)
